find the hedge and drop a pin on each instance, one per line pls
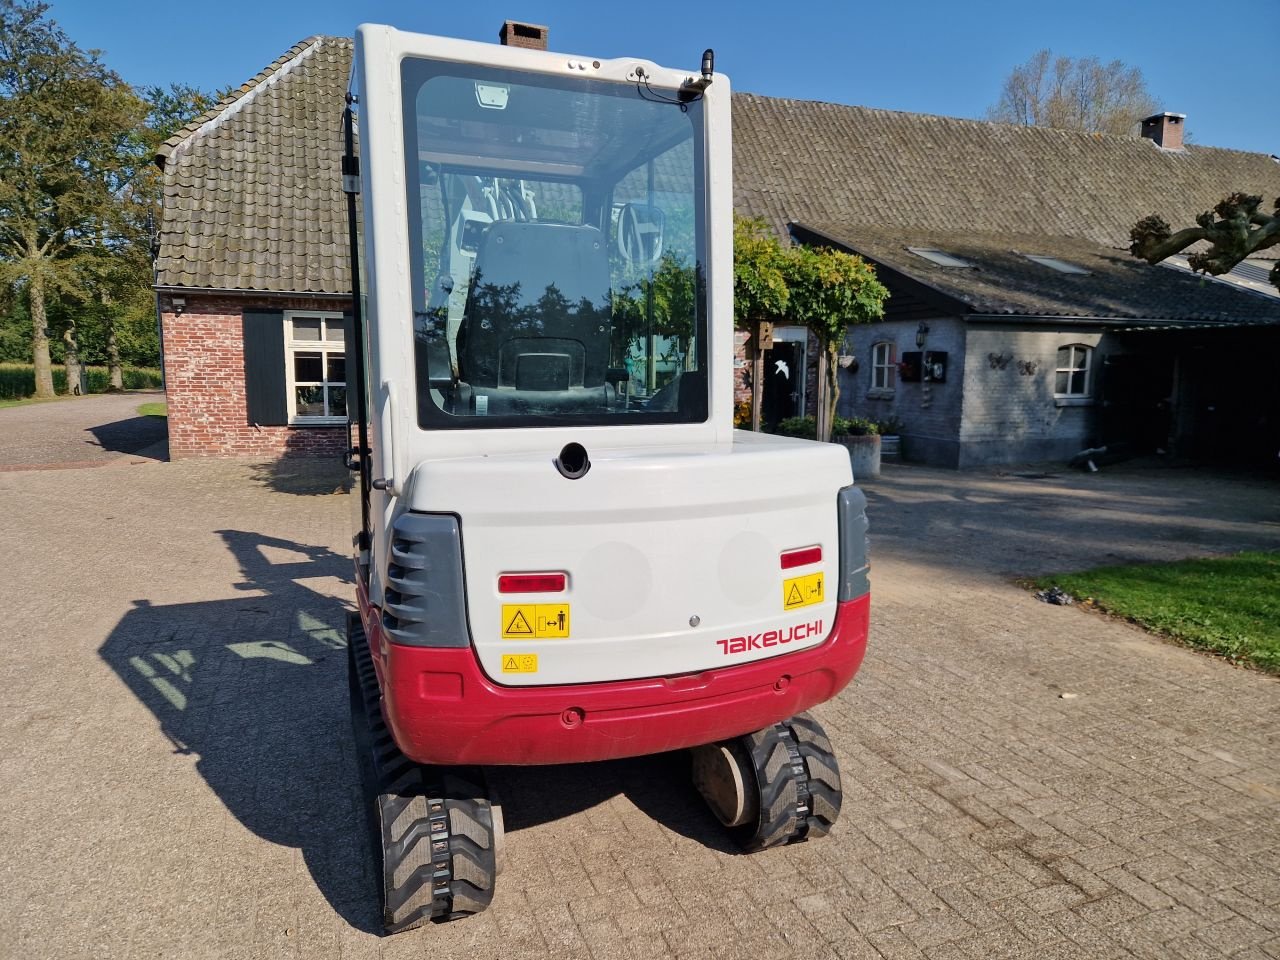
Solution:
(18, 380)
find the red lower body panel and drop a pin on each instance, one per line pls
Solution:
(442, 708)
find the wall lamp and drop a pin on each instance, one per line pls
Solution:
(922, 332)
(179, 305)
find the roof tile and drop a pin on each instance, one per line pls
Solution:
(260, 170)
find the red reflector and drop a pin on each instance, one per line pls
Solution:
(532, 583)
(801, 558)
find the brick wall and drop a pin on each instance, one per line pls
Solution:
(1010, 413)
(929, 412)
(204, 383)
(985, 412)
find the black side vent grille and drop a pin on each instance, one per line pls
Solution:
(423, 603)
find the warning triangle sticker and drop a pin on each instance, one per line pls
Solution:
(518, 624)
(794, 596)
(511, 665)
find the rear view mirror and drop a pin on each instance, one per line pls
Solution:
(639, 239)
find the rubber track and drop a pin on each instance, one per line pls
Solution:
(798, 784)
(823, 772)
(433, 828)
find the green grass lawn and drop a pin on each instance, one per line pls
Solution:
(1225, 605)
(5, 402)
(157, 409)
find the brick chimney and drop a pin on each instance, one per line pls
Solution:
(528, 35)
(1165, 129)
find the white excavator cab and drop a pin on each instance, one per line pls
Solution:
(567, 553)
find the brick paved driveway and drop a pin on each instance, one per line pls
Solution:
(81, 431)
(176, 775)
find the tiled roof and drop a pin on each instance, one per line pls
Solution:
(797, 160)
(1002, 281)
(253, 191)
(253, 197)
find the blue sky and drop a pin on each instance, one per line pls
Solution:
(924, 56)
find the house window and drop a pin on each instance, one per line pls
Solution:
(883, 366)
(1072, 376)
(316, 367)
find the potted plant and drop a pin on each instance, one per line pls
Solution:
(859, 436)
(890, 441)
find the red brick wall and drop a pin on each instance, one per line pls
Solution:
(204, 382)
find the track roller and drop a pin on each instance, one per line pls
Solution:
(776, 786)
(436, 832)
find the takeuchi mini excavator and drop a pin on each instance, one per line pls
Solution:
(565, 551)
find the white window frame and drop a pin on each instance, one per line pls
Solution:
(324, 348)
(1075, 352)
(889, 368)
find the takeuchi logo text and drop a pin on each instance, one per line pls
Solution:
(770, 638)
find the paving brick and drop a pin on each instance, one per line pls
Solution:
(984, 817)
(1233, 935)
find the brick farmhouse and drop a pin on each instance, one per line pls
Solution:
(1019, 327)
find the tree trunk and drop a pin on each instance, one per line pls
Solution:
(40, 340)
(828, 390)
(757, 376)
(75, 380)
(113, 359)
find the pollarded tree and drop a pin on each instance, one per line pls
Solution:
(829, 291)
(759, 291)
(1235, 229)
(759, 282)
(65, 124)
(824, 289)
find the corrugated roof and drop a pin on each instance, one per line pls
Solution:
(253, 190)
(1002, 281)
(811, 162)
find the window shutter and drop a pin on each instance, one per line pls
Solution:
(264, 373)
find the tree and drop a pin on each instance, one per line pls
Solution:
(829, 290)
(1070, 94)
(119, 284)
(1235, 229)
(824, 289)
(759, 284)
(65, 124)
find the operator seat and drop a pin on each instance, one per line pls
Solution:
(534, 336)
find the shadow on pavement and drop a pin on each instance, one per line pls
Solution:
(660, 786)
(131, 436)
(303, 476)
(256, 688)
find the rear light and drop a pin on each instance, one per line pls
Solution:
(532, 582)
(802, 557)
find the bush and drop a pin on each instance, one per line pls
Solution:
(854, 427)
(18, 380)
(890, 426)
(806, 428)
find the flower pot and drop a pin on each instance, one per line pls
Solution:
(864, 455)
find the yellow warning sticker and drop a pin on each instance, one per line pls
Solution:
(801, 591)
(535, 621)
(519, 663)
